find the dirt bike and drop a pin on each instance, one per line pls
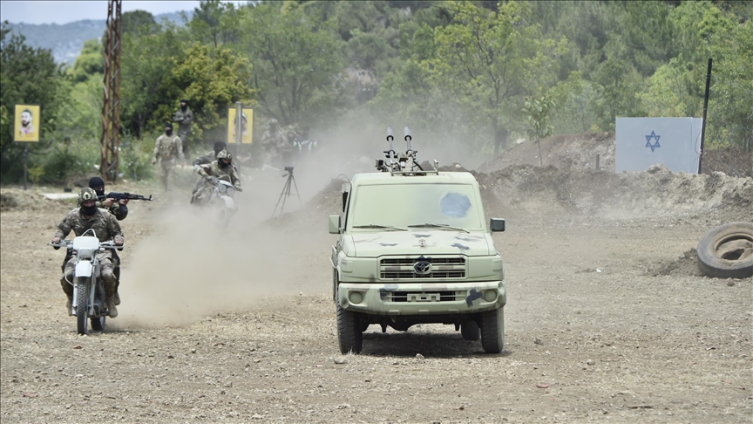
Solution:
(88, 289)
(221, 202)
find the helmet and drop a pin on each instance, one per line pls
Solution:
(273, 122)
(224, 154)
(86, 194)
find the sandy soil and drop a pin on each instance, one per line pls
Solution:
(608, 319)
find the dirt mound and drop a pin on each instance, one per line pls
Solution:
(656, 192)
(11, 199)
(733, 161)
(582, 150)
(685, 265)
(562, 151)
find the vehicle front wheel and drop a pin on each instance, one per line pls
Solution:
(98, 323)
(493, 330)
(82, 305)
(349, 332)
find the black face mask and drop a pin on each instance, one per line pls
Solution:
(169, 132)
(183, 107)
(100, 192)
(223, 164)
(89, 210)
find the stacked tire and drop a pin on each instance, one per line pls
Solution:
(727, 251)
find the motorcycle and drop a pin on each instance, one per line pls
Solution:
(221, 202)
(88, 290)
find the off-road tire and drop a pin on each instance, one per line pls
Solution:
(727, 251)
(82, 305)
(493, 330)
(98, 323)
(469, 330)
(349, 333)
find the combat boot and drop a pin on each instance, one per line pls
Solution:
(111, 307)
(117, 298)
(69, 304)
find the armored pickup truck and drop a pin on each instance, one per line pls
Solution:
(414, 247)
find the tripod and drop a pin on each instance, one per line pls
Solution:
(285, 193)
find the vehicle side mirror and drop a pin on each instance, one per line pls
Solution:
(497, 224)
(334, 224)
(345, 199)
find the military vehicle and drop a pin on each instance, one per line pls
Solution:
(414, 248)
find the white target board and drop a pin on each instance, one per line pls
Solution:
(672, 142)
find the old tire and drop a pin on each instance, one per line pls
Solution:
(349, 333)
(727, 251)
(82, 305)
(493, 330)
(469, 330)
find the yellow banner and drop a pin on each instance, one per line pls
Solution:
(247, 126)
(27, 122)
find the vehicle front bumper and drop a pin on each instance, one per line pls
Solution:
(422, 299)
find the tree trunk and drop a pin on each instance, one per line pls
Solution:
(500, 139)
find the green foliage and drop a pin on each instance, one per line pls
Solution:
(29, 75)
(536, 110)
(296, 60)
(90, 63)
(211, 82)
(215, 23)
(139, 22)
(488, 60)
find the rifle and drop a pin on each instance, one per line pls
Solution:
(120, 196)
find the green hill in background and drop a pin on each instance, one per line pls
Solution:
(66, 40)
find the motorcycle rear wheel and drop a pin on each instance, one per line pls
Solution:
(82, 304)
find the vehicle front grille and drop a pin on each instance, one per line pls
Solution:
(441, 296)
(452, 267)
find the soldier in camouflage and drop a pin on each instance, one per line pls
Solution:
(106, 227)
(222, 168)
(208, 158)
(184, 118)
(168, 149)
(272, 142)
(119, 210)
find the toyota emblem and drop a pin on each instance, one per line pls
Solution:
(422, 267)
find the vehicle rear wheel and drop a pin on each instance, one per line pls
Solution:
(493, 330)
(82, 305)
(727, 251)
(469, 330)
(349, 333)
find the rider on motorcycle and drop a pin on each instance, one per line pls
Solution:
(106, 227)
(222, 168)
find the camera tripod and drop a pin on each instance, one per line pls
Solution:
(285, 193)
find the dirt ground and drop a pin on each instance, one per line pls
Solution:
(608, 318)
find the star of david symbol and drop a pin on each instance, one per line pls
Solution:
(648, 141)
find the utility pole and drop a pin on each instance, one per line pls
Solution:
(110, 138)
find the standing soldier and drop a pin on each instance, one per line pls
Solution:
(106, 227)
(168, 149)
(271, 141)
(184, 117)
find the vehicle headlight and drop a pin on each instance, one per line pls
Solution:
(222, 188)
(230, 190)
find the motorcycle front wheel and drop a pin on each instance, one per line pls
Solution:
(82, 304)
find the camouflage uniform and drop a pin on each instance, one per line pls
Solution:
(273, 142)
(213, 170)
(106, 227)
(119, 211)
(168, 148)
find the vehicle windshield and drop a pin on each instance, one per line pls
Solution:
(413, 206)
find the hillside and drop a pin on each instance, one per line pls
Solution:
(67, 40)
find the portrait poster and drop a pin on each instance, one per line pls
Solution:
(26, 123)
(247, 126)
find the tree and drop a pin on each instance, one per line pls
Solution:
(89, 62)
(211, 81)
(296, 60)
(215, 23)
(537, 111)
(29, 75)
(489, 59)
(139, 21)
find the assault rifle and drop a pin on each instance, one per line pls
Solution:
(120, 196)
